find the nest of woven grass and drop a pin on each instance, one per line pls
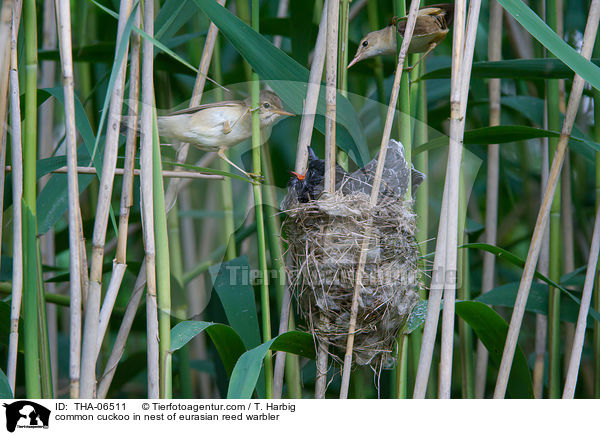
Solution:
(325, 238)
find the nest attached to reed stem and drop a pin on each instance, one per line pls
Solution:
(325, 238)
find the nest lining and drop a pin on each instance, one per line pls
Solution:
(325, 238)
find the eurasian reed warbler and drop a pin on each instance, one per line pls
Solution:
(430, 29)
(220, 125)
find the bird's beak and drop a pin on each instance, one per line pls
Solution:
(298, 176)
(282, 112)
(357, 58)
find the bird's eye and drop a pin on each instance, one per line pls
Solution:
(266, 105)
(365, 43)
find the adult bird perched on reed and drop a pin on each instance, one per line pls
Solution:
(220, 125)
(432, 25)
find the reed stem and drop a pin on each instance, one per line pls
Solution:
(147, 203)
(260, 220)
(333, 13)
(553, 102)
(491, 204)
(17, 188)
(30, 280)
(75, 242)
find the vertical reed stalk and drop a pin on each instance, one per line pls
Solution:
(146, 183)
(553, 101)
(404, 127)
(312, 95)
(543, 215)
(401, 390)
(387, 130)
(47, 80)
(304, 137)
(45, 368)
(331, 42)
(463, 57)
(330, 15)
(404, 133)
(260, 222)
(465, 332)
(64, 22)
(322, 363)
(541, 320)
(491, 197)
(46, 145)
(130, 145)
(92, 311)
(17, 188)
(421, 162)
(333, 13)
(342, 68)
(584, 308)
(568, 251)
(5, 29)
(30, 282)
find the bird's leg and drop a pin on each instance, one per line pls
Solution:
(431, 47)
(227, 128)
(250, 175)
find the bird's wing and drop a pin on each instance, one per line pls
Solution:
(430, 10)
(443, 9)
(425, 25)
(196, 109)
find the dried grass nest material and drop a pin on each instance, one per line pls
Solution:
(324, 239)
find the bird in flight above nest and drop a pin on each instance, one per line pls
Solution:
(432, 25)
(220, 125)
